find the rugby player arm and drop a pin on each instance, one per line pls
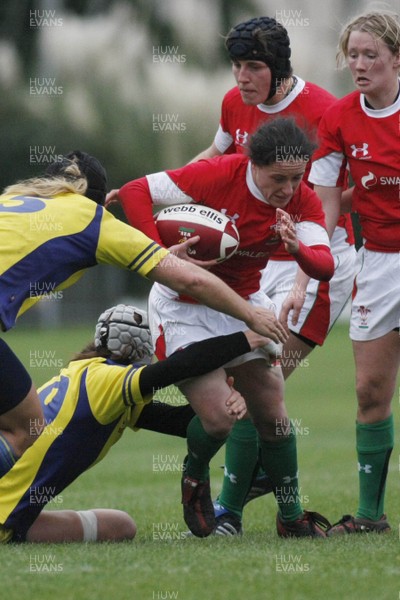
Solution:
(331, 198)
(313, 254)
(197, 359)
(138, 198)
(316, 261)
(223, 143)
(165, 418)
(209, 152)
(136, 201)
(327, 177)
(122, 246)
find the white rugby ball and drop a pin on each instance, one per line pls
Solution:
(219, 237)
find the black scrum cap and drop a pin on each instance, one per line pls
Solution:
(90, 167)
(263, 39)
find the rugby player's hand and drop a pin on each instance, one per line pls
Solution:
(264, 322)
(287, 230)
(111, 198)
(293, 304)
(272, 350)
(182, 251)
(235, 403)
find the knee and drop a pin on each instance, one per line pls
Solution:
(274, 430)
(369, 393)
(371, 396)
(114, 525)
(218, 425)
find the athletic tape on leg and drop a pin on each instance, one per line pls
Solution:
(89, 524)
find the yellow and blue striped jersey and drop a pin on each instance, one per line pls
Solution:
(86, 409)
(47, 243)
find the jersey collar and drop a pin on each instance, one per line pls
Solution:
(253, 189)
(381, 112)
(285, 102)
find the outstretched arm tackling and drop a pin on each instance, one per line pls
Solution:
(211, 291)
(198, 359)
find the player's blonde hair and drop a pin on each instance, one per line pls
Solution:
(48, 186)
(383, 26)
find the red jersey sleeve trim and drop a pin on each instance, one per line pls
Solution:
(316, 261)
(138, 207)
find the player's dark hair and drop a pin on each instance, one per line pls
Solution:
(280, 140)
(90, 351)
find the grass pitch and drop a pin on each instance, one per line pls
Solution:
(141, 475)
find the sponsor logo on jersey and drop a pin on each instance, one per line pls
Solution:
(395, 180)
(360, 151)
(241, 137)
(251, 253)
(371, 180)
(232, 218)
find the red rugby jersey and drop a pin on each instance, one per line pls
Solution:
(368, 141)
(225, 183)
(306, 103)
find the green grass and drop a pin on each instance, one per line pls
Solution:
(160, 564)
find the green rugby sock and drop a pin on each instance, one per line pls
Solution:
(201, 449)
(241, 458)
(374, 446)
(279, 460)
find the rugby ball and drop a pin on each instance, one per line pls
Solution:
(219, 237)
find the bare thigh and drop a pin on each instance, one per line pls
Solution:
(207, 395)
(294, 352)
(22, 424)
(262, 388)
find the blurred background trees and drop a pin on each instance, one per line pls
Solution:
(137, 83)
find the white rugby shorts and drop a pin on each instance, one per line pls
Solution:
(375, 308)
(324, 300)
(175, 324)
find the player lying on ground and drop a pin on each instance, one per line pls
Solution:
(105, 389)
